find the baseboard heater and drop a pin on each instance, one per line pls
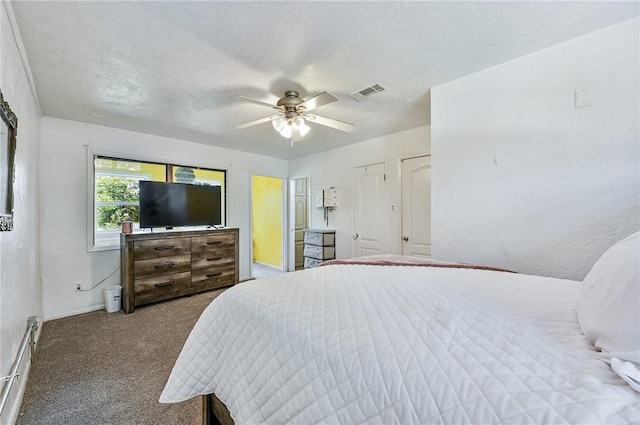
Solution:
(27, 340)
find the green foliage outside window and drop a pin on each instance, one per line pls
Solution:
(116, 191)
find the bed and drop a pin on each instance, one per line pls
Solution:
(358, 342)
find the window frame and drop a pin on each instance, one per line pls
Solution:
(97, 204)
(91, 189)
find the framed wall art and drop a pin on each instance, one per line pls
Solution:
(8, 131)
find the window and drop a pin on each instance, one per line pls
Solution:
(115, 192)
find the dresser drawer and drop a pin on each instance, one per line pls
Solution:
(218, 257)
(319, 252)
(212, 242)
(213, 278)
(160, 248)
(161, 287)
(161, 266)
(319, 238)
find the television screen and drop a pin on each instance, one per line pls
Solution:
(179, 204)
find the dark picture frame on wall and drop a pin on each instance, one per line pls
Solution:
(8, 132)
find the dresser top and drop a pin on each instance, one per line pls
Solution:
(175, 234)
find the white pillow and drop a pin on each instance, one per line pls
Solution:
(609, 301)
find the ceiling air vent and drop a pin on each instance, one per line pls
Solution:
(367, 91)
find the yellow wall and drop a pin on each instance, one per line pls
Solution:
(267, 220)
(157, 172)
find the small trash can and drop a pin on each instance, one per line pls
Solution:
(112, 296)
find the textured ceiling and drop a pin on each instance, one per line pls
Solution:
(171, 68)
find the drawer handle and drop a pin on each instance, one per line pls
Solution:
(214, 243)
(214, 259)
(163, 248)
(214, 274)
(160, 285)
(164, 266)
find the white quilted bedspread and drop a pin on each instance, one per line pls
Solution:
(354, 344)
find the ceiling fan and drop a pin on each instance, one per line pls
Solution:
(293, 114)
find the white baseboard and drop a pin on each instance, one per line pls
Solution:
(12, 408)
(75, 312)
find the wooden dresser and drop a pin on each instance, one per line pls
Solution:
(161, 266)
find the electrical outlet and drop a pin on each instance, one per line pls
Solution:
(583, 97)
(78, 286)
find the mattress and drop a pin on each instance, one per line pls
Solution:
(356, 344)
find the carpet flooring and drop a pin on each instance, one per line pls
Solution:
(110, 368)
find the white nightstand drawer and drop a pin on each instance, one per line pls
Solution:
(319, 238)
(319, 252)
(311, 262)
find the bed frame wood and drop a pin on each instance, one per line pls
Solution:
(214, 412)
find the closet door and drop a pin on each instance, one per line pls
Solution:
(370, 218)
(416, 206)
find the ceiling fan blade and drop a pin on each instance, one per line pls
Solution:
(256, 122)
(318, 100)
(257, 102)
(330, 122)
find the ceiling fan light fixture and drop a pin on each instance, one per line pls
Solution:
(279, 124)
(298, 124)
(303, 129)
(286, 126)
(286, 131)
(297, 121)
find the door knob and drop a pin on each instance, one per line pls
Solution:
(405, 238)
(355, 236)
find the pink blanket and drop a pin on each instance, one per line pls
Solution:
(402, 260)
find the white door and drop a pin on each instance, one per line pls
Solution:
(300, 218)
(416, 206)
(370, 218)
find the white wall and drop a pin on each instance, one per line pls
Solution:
(334, 169)
(567, 183)
(64, 202)
(19, 262)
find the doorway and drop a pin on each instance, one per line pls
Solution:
(267, 223)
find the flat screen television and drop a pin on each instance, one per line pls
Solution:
(179, 204)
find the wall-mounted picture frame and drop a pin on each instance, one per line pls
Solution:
(8, 134)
